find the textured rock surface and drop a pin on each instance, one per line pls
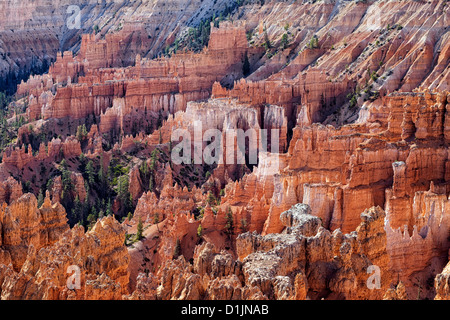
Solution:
(100, 256)
(291, 265)
(25, 225)
(360, 178)
(32, 33)
(441, 285)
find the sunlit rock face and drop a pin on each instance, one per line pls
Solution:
(348, 201)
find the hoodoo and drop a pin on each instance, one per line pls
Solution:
(224, 150)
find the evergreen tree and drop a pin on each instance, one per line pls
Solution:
(150, 183)
(87, 189)
(77, 211)
(140, 230)
(66, 177)
(81, 132)
(122, 191)
(90, 173)
(284, 41)
(267, 44)
(128, 206)
(3, 100)
(199, 231)
(109, 207)
(211, 199)
(94, 213)
(101, 174)
(314, 42)
(67, 186)
(91, 219)
(49, 184)
(154, 158)
(143, 169)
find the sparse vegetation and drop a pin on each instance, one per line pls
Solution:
(229, 227)
(81, 132)
(284, 41)
(139, 230)
(211, 199)
(313, 43)
(200, 231)
(374, 76)
(267, 43)
(197, 36)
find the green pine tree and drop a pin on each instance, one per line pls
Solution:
(229, 226)
(199, 231)
(284, 41)
(140, 230)
(109, 207)
(90, 173)
(81, 132)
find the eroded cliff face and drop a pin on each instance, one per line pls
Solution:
(339, 173)
(352, 205)
(38, 259)
(305, 261)
(32, 33)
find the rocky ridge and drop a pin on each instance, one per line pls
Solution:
(361, 108)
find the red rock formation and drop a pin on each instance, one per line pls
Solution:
(260, 273)
(118, 94)
(22, 157)
(441, 285)
(25, 225)
(10, 190)
(99, 254)
(172, 199)
(389, 77)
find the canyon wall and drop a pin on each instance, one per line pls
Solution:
(359, 181)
